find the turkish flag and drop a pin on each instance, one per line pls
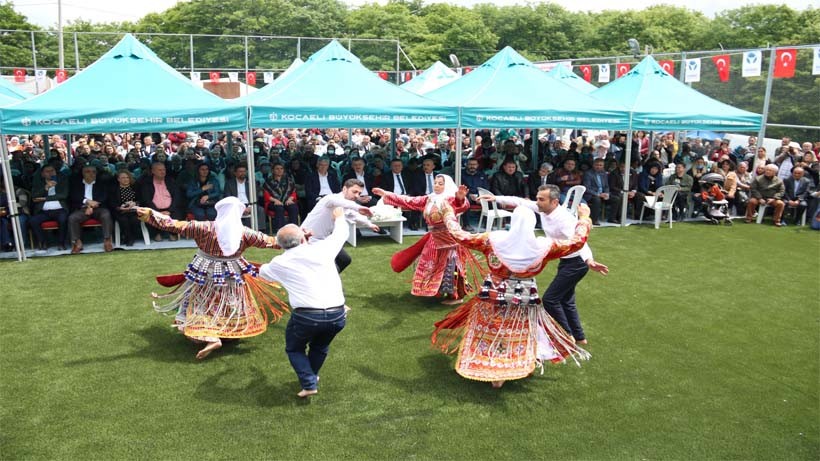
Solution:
(408, 76)
(383, 75)
(20, 75)
(467, 70)
(722, 63)
(587, 71)
(61, 75)
(668, 66)
(784, 64)
(250, 78)
(622, 70)
(214, 76)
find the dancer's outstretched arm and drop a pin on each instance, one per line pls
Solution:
(166, 223)
(403, 201)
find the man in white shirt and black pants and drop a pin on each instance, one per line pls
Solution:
(559, 224)
(308, 273)
(319, 222)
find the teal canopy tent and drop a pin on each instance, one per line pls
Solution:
(563, 74)
(10, 92)
(333, 89)
(435, 77)
(658, 101)
(508, 90)
(129, 89)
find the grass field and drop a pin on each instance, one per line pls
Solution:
(705, 344)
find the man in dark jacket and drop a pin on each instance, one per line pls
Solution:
(88, 198)
(507, 181)
(321, 182)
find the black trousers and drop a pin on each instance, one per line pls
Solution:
(342, 260)
(559, 299)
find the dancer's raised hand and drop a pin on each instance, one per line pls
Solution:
(378, 191)
(461, 193)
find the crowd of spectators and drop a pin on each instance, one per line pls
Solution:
(104, 177)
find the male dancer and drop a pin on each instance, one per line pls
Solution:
(319, 222)
(559, 224)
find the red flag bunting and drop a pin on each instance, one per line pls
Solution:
(668, 66)
(20, 75)
(722, 63)
(61, 75)
(214, 76)
(586, 70)
(467, 70)
(383, 75)
(785, 62)
(622, 70)
(250, 78)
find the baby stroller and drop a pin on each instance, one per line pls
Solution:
(715, 205)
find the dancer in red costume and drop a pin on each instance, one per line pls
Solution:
(220, 294)
(504, 332)
(443, 266)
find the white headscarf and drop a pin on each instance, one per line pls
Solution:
(518, 248)
(450, 189)
(229, 227)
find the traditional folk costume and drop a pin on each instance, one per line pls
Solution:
(504, 332)
(219, 295)
(443, 265)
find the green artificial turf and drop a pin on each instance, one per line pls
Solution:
(705, 345)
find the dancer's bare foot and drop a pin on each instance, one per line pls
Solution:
(208, 349)
(497, 384)
(307, 393)
(452, 302)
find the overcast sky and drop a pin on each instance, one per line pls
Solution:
(44, 12)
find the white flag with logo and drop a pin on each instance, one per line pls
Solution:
(195, 77)
(603, 73)
(40, 75)
(752, 63)
(233, 76)
(815, 67)
(692, 72)
(267, 77)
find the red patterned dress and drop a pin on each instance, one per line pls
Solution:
(219, 296)
(443, 265)
(504, 332)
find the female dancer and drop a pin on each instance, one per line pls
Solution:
(504, 332)
(219, 295)
(443, 264)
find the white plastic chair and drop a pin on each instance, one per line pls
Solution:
(145, 237)
(490, 212)
(573, 198)
(665, 204)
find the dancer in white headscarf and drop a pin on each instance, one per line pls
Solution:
(219, 295)
(503, 333)
(444, 266)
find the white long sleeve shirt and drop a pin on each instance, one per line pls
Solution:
(308, 271)
(558, 225)
(320, 219)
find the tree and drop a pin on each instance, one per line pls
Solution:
(15, 47)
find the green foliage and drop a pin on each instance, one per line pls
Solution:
(15, 47)
(713, 357)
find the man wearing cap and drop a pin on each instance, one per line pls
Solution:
(88, 198)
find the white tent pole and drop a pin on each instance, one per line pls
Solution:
(627, 171)
(12, 199)
(458, 149)
(761, 134)
(251, 174)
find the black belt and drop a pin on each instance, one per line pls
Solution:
(313, 310)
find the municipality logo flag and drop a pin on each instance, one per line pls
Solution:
(267, 77)
(603, 73)
(815, 67)
(752, 63)
(692, 73)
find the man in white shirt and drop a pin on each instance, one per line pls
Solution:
(308, 273)
(559, 224)
(320, 223)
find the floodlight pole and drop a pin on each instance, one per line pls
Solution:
(34, 61)
(761, 135)
(60, 33)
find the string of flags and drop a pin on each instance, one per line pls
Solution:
(751, 66)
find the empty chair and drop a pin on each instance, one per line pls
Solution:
(668, 194)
